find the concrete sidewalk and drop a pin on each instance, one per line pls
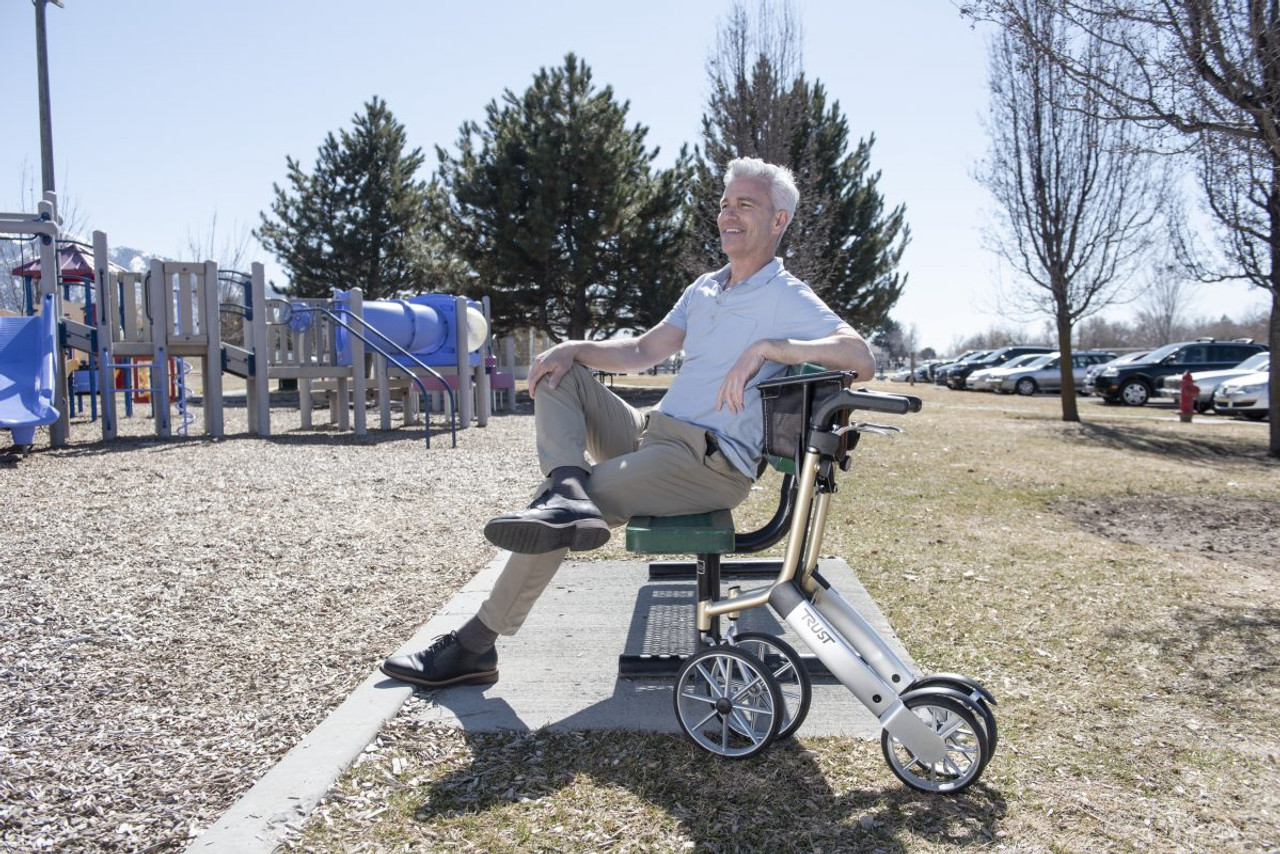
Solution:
(560, 672)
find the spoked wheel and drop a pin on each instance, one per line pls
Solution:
(728, 702)
(788, 669)
(980, 703)
(950, 716)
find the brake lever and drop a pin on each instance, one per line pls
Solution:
(867, 427)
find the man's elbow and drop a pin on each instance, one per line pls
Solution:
(858, 356)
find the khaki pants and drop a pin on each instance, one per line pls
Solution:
(645, 465)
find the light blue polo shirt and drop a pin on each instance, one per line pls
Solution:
(719, 324)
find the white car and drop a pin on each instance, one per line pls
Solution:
(1248, 395)
(1207, 381)
(984, 379)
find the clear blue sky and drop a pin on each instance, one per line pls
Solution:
(165, 113)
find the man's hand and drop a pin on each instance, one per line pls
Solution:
(733, 389)
(552, 365)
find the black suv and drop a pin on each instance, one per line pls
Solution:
(940, 369)
(1134, 383)
(959, 372)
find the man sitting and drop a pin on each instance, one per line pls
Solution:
(698, 450)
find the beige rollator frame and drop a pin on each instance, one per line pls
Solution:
(938, 731)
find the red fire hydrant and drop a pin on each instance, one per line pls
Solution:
(1187, 398)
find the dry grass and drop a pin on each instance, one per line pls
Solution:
(1137, 681)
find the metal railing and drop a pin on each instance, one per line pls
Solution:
(391, 362)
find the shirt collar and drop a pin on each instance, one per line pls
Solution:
(760, 277)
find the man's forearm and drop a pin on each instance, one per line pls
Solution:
(619, 355)
(630, 354)
(839, 352)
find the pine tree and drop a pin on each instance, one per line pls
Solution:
(358, 219)
(552, 209)
(842, 241)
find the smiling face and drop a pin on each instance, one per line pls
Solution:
(750, 226)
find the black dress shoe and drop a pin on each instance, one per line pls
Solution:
(551, 522)
(445, 662)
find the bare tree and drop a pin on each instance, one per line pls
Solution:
(1206, 73)
(1160, 312)
(753, 72)
(843, 240)
(17, 250)
(1077, 200)
(231, 252)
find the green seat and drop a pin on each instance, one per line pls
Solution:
(696, 533)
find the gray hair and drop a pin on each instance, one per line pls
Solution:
(783, 192)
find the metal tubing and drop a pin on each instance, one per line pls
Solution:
(453, 404)
(863, 637)
(849, 668)
(813, 543)
(790, 557)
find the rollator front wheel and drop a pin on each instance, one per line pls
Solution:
(980, 701)
(728, 702)
(966, 744)
(788, 669)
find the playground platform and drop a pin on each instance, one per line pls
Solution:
(560, 672)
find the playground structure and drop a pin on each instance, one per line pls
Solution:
(146, 335)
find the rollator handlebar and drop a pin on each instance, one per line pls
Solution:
(874, 401)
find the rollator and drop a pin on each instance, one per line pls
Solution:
(740, 692)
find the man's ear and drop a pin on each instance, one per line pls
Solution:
(780, 221)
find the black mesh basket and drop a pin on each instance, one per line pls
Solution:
(789, 402)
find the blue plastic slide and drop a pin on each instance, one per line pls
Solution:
(27, 373)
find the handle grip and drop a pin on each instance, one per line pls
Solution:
(874, 401)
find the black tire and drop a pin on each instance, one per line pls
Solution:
(1026, 387)
(981, 708)
(789, 670)
(1135, 393)
(727, 702)
(967, 748)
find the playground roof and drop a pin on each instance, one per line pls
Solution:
(74, 261)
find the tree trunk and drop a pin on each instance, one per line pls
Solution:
(1273, 447)
(1070, 406)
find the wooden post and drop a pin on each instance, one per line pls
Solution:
(358, 375)
(211, 329)
(108, 307)
(257, 385)
(60, 430)
(160, 301)
(465, 390)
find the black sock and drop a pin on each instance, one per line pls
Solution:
(475, 636)
(569, 481)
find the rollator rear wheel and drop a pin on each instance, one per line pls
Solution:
(788, 669)
(966, 743)
(728, 702)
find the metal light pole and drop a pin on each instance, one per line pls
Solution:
(42, 73)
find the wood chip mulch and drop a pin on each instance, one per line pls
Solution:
(178, 613)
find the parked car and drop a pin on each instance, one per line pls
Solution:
(1207, 381)
(1046, 375)
(903, 375)
(958, 374)
(1092, 374)
(940, 369)
(1134, 383)
(1249, 395)
(985, 378)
